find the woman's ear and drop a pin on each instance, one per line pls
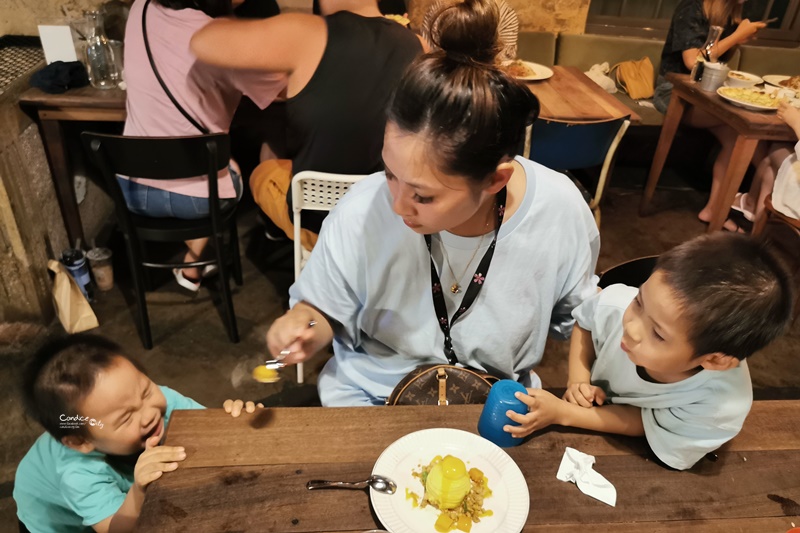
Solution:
(500, 176)
(719, 361)
(77, 443)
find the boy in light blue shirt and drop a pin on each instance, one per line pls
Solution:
(667, 361)
(104, 419)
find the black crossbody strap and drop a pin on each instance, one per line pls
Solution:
(475, 284)
(178, 106)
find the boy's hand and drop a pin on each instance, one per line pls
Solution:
(234, 407)
(544, 409)
(584, 394)
(790, 115)
(155, 460)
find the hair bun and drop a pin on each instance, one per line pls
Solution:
(467, 30)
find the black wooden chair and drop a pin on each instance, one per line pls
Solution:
(170, 158)
(634, 272)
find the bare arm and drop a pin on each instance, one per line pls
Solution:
(744, 32)
(124, 520)
(282, 43)
(580, 390)
(546, 409)
(293, 332)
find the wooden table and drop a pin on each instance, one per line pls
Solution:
(249, 474)
(571, 96)
(84, 104)
(750, 126)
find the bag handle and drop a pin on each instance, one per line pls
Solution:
(178, 106)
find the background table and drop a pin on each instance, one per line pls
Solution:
(571, 96)
(84, 104)
(249, 474)
(750, 126)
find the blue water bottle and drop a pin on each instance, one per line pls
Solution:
(493, 417)
(75, 261)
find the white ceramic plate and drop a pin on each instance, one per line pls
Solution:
(541, 72)
(776, 79)
(742, 103)
(509, 502)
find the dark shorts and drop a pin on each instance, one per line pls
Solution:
(662, 94)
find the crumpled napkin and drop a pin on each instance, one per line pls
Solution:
(577, 467)
(598, 74)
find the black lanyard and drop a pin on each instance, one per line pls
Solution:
(475, 284)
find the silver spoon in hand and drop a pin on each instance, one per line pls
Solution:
(379, 483)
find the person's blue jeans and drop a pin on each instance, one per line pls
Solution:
(158, 203)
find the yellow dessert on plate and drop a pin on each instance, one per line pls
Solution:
(448, 483)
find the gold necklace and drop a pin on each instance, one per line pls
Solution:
(455, 288)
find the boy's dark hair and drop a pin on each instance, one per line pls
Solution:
(735, 293)
(61, 374)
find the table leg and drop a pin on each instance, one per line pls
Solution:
(671, 121)
(62, 178)
(743, 152)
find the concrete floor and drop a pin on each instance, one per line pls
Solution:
(192, 353)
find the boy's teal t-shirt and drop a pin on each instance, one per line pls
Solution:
(60, 490)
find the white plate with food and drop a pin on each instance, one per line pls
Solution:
(750, 99)
(775, 79)
(505, 511)
(527, 71)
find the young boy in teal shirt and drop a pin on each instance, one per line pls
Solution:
(104, 419)
(667, 360)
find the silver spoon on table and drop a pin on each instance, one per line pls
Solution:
(379, 483)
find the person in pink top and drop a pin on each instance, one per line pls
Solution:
(208, 94)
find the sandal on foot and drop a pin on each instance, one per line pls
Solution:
(739, 201)
(183, 281)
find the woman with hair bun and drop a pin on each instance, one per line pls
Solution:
(458, 249)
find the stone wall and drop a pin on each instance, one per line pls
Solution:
(31, 226)
(21, 17)
(555, 16)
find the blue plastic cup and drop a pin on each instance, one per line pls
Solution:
(493, 417)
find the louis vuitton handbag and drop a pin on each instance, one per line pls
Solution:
(442, 385)
(445, 384)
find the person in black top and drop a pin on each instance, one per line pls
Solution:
(342, 69)
(687, 34)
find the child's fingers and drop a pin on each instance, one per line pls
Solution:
(236, 408)
(259, 404)
(250, 407)
(227, 405)
(152, 442)
(600, 396)
(163, 454)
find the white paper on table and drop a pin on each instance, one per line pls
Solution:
(57, 43)
(577, 467)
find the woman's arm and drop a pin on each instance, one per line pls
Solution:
(279, 44)
(745, 31)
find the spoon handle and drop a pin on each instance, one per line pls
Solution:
(323, 484)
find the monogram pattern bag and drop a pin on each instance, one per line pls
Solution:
(442, 385)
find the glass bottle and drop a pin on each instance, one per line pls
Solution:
(99, 54)
(707, 52)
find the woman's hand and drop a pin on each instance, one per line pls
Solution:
(234, 407)
(790, 115)
(299, 334)
(584, 394)
(747, 30)
(544, 409)
(155, 460)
